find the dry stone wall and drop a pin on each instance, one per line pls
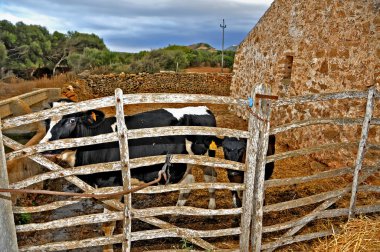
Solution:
(192, 83)
(304, 47)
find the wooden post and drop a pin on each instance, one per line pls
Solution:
(8, 238)
(249, 177)
(361, 149)
(126, 174)
(257, 215)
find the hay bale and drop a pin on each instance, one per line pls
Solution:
(361, 234)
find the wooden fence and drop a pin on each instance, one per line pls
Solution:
(125, 211)
(32, 98)
(251, 228)
(326, 199)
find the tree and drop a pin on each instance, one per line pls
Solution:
(3, 54)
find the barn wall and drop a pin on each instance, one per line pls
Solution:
(309, 47)
(195, 83)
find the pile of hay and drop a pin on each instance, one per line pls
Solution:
(362, 234)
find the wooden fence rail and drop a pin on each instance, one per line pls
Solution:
(251, 228)
(30, 99)
(330, 197)
(57, 171)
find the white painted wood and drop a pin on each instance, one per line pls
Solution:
(320, 97)
(361, 148)
(310, 216)
(30, 99)
(321, 215)
(127, 99)
(8, 239)
(316, 121)
(134, 163)
(170, 232)
(298, 238)
(112, 137)
(306, 151)
(67, 245)
(249, 177)
(71, 222)
(122, 133)
(257, 211)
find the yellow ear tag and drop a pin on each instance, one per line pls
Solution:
(93, 116)
(213, 146)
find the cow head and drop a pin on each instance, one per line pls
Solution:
(234, 148)
(66, 126)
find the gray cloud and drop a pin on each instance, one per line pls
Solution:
(135, 25)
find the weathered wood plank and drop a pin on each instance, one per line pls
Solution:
(188, 130)
(320, 97)
(42, 208)
(127, 99)
(67, 245)
(361, 148)
(304, 201)
(193, 250)
(30, 99)
(8, 239)
(249, 176)
(62, 144)
(149, 190)
(80, 170)
(316, 121)
(183, 233)
(112, 203)
(306, 151)
(174, 232)
(298, 238)
(184, 210)
(122, 133)
(258, 202)
(322, 175)
(48, 164)
(298, 180)
(310, 216)
(134, 163)
(70, 222)
(112, 137)
(321, 215)
(195, 186)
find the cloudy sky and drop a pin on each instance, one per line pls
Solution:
(132, 26)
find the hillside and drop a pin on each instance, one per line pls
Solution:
(202, 46)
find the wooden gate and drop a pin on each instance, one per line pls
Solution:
(125, 211)
(321, 202)
(253, 210)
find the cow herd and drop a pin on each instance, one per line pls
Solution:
(94, 122)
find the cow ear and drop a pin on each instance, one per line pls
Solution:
(93, 117)
(213, 142)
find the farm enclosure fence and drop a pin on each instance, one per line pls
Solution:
(323, 205)
(252, 229)
(122, 135)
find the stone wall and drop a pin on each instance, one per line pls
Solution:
(304, 47)
(192, 83)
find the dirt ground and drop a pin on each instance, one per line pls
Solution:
(292, 167)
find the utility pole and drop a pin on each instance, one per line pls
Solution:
(223, 27)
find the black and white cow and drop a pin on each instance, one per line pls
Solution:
(93, 122)
(234, 149)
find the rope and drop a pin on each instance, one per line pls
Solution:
(161, 173)
(248, 106)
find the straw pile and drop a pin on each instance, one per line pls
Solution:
(362, 234)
